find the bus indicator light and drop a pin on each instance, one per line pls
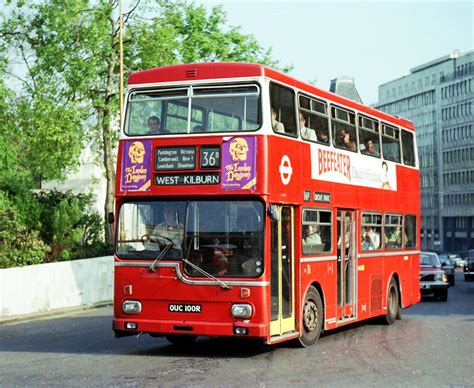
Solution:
(244, 293)
(128, 290)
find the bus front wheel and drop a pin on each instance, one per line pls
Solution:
(313, 316)
(393, 307)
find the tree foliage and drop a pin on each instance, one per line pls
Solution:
(70, 50)
(18, 245)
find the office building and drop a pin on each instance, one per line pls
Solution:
(438, 97)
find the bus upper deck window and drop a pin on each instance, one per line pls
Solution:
(211, 108)
(408, 148)
(283, 116)
(369, 137)
(391, 143)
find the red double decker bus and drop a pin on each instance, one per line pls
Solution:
(252, 204)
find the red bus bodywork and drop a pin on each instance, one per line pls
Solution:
(281, 183)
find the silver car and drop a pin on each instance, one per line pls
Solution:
(457, 260)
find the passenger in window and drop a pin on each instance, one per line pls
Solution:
(216, 262)
(346, 141)
(276, 125)
(154, 126)
(311, 235)
(198, 128)
(374, 236)
(394, 238)
(306, 133)
(312, 242)
(370, 240)
(322, 135)
(367, 243)
(248, 258)
(370, 148)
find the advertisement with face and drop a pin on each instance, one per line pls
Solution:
(347, 167)
(136, 163)
(239, 163)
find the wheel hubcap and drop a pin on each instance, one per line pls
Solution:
(310, 320)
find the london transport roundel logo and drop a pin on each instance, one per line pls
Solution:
(285, 169)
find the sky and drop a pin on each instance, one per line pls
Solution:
(372, 41)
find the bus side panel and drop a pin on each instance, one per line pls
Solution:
(324, 275)
(370, 287)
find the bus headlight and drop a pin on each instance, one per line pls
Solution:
(132, 307)
(242, 310)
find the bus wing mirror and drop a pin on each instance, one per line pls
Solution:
(110, 218)
(274, 213)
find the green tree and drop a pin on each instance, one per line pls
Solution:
(18, 245)
(74, 46)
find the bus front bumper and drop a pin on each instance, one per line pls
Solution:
(122, 328)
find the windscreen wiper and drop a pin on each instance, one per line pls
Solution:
(169, 244)
(207, 274)
(187, 251)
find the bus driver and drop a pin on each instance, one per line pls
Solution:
(169, 230)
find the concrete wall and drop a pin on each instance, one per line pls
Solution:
(45, 287)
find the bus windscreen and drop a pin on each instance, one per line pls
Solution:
(206, 109)
(224, 238)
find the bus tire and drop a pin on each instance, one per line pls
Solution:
(313, 317)
(181, 340)
(393, 307)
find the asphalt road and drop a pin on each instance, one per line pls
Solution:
(433, 345)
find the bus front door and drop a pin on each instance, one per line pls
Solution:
(282, 272)
(346, 265)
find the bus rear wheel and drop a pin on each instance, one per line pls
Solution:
(181, 340)
(313, 316)
(393, 307)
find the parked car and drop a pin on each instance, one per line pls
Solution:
(469, 266)
(433, 279)
(448, 267)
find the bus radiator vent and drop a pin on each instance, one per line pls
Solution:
(191, 73)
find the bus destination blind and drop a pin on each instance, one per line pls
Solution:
(212, 178)
(175, 158)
